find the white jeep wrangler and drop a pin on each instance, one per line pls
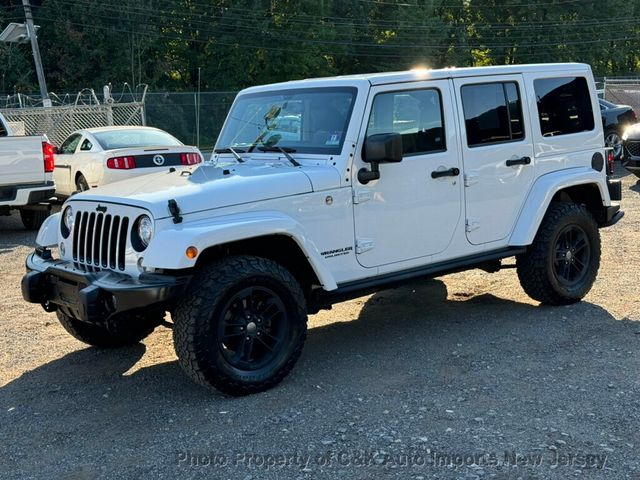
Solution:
(323, 190)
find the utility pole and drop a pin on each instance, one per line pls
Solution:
(31, 31)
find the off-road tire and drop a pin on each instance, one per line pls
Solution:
(124, 330)
(33, 219)
(535, 267)
(198, 317)
(81, 184)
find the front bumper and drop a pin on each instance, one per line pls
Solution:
(95, 297)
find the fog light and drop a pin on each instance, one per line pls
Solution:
(62, 249)
(192, 252)
(140, 267)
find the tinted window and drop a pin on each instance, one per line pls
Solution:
(415, 114)
(70, 144)
(492, 113)
(134, 137)
(564, 105)
(86, 145)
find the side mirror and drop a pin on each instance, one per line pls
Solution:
(383, 148)
(380, 148)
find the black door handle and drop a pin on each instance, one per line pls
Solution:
(519, 161)
(452, 172)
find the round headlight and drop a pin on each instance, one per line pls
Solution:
(145, 230)
(67, 222)
(68, 218)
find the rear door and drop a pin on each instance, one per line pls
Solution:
(497, 151)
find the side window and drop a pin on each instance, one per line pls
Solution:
(564, 105)
(86, 145)
(492, 113)
(70, 144)
(414, 114)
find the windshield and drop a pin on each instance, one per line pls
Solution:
(112, 139)
(311, 120)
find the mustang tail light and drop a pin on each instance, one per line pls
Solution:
(48, 154)
(121, 163)
(634, 115)
(190, 158)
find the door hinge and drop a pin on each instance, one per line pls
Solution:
(471, 178)
(363, 245)
(361, 196)
(472, 224)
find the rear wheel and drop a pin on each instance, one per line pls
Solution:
(33, 219)
(123, 330)
(242, 327)
(613, 139)
(561, 265)
(81, 184)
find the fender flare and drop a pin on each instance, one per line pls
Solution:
(48, 233)
(168, 246)
(541, 194)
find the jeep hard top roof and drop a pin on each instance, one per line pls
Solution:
(421, 74)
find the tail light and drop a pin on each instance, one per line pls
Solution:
(121, 163)
(190, 158)
(634, 115)
(610, 162)
(48, 153)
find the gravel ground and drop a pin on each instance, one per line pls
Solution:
(458, 377)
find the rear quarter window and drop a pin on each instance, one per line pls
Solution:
(564, 106)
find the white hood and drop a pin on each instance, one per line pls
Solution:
(213, 186)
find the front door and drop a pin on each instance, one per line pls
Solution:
(412, 211)
(497, 151)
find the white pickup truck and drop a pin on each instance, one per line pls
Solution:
(26, 175)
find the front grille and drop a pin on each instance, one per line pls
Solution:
(100, 241)
(633, 148)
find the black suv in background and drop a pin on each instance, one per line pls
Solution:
(615, 119)
(631, 149)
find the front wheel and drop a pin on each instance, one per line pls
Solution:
(242, 327)
(561, 265)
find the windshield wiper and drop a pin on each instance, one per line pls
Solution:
(233, 151)
(284, 150)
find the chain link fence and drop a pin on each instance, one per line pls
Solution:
(194, 118)
(58, 122)
(623, 91)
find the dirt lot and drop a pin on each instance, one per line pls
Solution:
(458, 377)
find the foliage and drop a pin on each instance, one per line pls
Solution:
(230, 44)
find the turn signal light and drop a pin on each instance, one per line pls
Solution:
(121, 163)
(190, 158)
(192, 252)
